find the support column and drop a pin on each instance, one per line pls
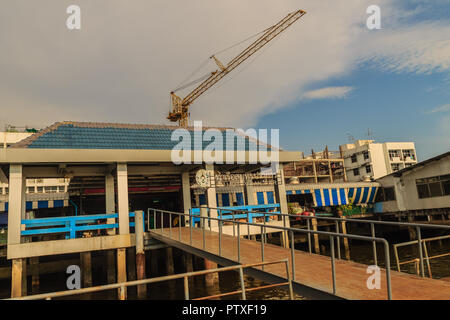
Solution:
(187, 203)
(346, 242)
(211, 278)
(122, 271)
(131, 260)
(110, 200)
(140, 253)
(86, 269)
(280, 189)
(122, 197)
(124, 224)
(110, 266)
(16, 212)
(34, 265)
(169, 261)
(211, 197)
(316, 236)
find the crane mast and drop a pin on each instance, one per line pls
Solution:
(180, 106)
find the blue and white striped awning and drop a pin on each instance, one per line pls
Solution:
(40, 204)
(339, 196)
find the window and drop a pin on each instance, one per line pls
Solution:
(61, 189)
(393, 154)
(385, 194)
(354, 158)
(30, 189)
(52, 189)
(6, 190)
(39, 189)
(395, 166)
(408, 165)
(368, 169)
(356, 172)
(433, 187)
(366, 155)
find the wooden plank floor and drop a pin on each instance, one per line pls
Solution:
(315, 270)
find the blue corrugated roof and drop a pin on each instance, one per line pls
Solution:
(75, 135)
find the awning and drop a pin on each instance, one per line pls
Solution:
(41, 204)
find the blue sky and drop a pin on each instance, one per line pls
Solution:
(394, 107)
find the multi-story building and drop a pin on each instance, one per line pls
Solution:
(368, 160)
(36, 189)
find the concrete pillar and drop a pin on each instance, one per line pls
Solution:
(110, 266)
(345, 240)
(140, 253)
(186, 195)
(154, 262)
(211, 278)
(16, 212)
(110, 200)
(131, 260)
(122, 271)
(86, 269)
(280, 190)
(316, 236)
(122, 197)
(17, 274)
(211, 197)
(34, 265)
(169, 261)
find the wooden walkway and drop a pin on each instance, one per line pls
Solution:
(315, 270)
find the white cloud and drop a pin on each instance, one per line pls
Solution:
(444, 108)
(328, 93)
(126, 58)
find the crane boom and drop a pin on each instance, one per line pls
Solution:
(180, 107)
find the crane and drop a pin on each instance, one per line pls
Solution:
(180, 106)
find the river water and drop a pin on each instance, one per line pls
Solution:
(229, 281)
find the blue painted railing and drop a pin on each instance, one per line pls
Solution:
(228, 214)
(70, 225)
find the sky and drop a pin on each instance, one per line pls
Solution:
(326, 80)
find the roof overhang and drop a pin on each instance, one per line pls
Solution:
(80, 156)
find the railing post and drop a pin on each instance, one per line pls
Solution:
(309, 235)
(190, 226)
(220, 237)
(288, 276)
(292, 255)
(419, 239)
(262, 248)
(333, 270)
(241, 277)
(186, 288)
(239, 241)
(204, 238)
(170, 225)
(338, 241)
(180, 218)
(374, 244)
(388, 269)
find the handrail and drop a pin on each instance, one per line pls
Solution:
(372, 223)
(185, 276)
(427, 258)
(332, 236)
(70, 225)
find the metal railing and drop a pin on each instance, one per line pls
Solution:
(427, 257)
(372, 223)
(291, 231)
(184, 276)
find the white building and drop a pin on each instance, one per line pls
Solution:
(36, 189)
(366, 159)
(424, 186)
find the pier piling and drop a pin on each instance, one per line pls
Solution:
(140, 254)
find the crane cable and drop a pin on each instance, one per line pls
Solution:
(184, 83)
